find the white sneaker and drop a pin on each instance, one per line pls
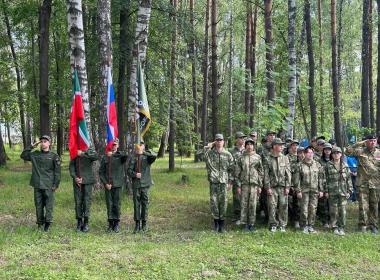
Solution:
(306, 230)
(311, 229)
(282, 229)
(273, 229)
(326, 226)
(336, 231)
(341, 232)
(238, 223)
(296, 224)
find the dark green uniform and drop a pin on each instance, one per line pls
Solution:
(141, 164)
(294, 203)
(111, 171)
(323, 211)
(81, 167)
(46, 175)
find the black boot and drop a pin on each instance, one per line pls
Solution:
(216, 224)
(47, 226)
(116, 227)
(143, 226)
(79, 225)
(221, 226)
(40, 226)
(137, 227)
(110, 225)
(85, 225)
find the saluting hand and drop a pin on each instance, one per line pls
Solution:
(36, 144)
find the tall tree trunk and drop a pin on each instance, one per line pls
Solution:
(139, 51)
(105, 52)
(194, 79)
(292, 82)
(8, 127)
(230, 79)
(78, 52)
(335, 87)
(253, 66)
(271, 94)
(248, 48)
(370, 73)
(320, 44)
(365, 66)
(20, 97)
(340, 42)
(173, 84)
(45, 11)
(59, 96)
(214, 69)
(378, 72)
(205, 75)
(310, 55)
(3, 154)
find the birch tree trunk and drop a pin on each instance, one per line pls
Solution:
(378, 72)
(105, 52)
(77, 52)
(335, 87)
(292, 82)
(138, 51)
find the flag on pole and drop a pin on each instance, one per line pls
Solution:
(112, 132)
(143, 113)
(79, 138)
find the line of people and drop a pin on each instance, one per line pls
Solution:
(46, 176)
(296, 181)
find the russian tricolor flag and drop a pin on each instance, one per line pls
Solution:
(112, 132)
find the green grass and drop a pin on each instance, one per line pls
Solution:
(178, 245)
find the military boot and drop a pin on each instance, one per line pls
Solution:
(47, 226)
(216, 224)
(144, 226)
(137, 227)
(221, 226)
(79, 225)
(85, 227)
(110, 225)
(116, 227)
(40, 226)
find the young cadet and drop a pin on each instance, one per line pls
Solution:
(111, 174)
(139, 171)
(46, 176)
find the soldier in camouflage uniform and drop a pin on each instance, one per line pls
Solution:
(139, 171)
(111, 174)
(368, 181)
(323, 202)
(249, 175)
(319, 150)
(294, 209)
(46, 176)
(236, 152)
(277, 181)
(83, 181)
(338, 188)
(309, 186)
(220, 166)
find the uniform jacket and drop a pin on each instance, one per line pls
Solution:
(145, 160)
(81, 167)
(111, 169)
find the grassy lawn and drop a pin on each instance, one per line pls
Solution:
(178, 245)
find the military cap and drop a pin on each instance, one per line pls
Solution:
(308, 148)
(370, 137)
(277, 141)
(294, 141)
(240, 134)
(327, 146)
(271, 132)
(46, 137)
(249, 140)
(332, 141)
(219, 136)
(320, 142)
(321, 137)
(300, 149)
(253, 133)
(336, 150)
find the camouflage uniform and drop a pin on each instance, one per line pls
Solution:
(220, 168)
(309, 181)
(338, 185)
(323, 202)
(46, 176)
(249, 175)
(236, 198)
(277, 176)
(264, 151)
(294, 207)
(368, 183)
